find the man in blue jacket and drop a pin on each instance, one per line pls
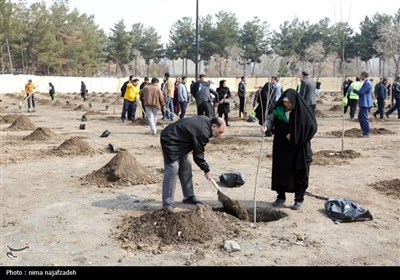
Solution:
(177, 141)
(365, 103)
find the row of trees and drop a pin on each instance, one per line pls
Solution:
(55, 40)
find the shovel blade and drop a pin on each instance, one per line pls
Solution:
(233, 207)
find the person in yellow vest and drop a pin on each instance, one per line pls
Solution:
(130, 97)
(29, 90)
(353, 97)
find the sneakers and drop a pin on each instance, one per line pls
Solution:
(387, 115)
(278, 202)
(192, 200)
(297, 206)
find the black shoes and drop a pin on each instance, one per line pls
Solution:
(278, 202)
(297, 206)
(192, 200)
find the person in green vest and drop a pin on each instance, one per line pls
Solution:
(353, 97)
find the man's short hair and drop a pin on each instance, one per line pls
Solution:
(242, 78)
(167, 75)
(305, 73)
(155, 81)
(131, 77)
(135, 80)
(202, 76)
(217, 121)
(146, 79)
(365, 74)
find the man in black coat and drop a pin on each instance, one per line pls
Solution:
(177, 141)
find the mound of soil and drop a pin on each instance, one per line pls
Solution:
(382, 131)
(74, 146)
(58, 103)
(94, 113)
(336, 108)
(46, 102)
(356, 132)
(40, 133)
(123, 168)
(334, 157)
(117, 102)
(319, 114)
(319, 101)
(81, 108)
(388, 187)
(9, 118)
(158, 228)
(337, 99)
(69, 106)
(21, 123)
(232, 140)
(95, 99)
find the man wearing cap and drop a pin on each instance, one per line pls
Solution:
(130, 97)
(307, 89)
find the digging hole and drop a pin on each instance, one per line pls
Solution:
(263, 214)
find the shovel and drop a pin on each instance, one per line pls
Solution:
(232, 207)
(224, 199)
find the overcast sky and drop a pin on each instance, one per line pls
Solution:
(161, 14)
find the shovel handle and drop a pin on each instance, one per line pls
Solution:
(215, 185)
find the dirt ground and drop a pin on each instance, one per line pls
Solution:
(53, 196)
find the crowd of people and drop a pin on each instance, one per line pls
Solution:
(288, 114)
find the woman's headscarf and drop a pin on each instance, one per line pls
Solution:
(302, 122)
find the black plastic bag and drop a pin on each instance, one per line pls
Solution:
(112, 148)
(232, 180)
(106, 133)
(344, 210)
(82, 126)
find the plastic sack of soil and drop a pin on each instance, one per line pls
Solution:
(344, 210)
(232, 180)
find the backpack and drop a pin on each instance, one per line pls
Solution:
(123, 88)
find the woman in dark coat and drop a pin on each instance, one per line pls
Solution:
(224, 94)
(295, 126)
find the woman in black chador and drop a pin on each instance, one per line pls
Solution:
(294, 126)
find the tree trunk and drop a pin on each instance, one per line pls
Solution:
(2, 58)
(183, 67)
(9, 56)
(186, 67)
